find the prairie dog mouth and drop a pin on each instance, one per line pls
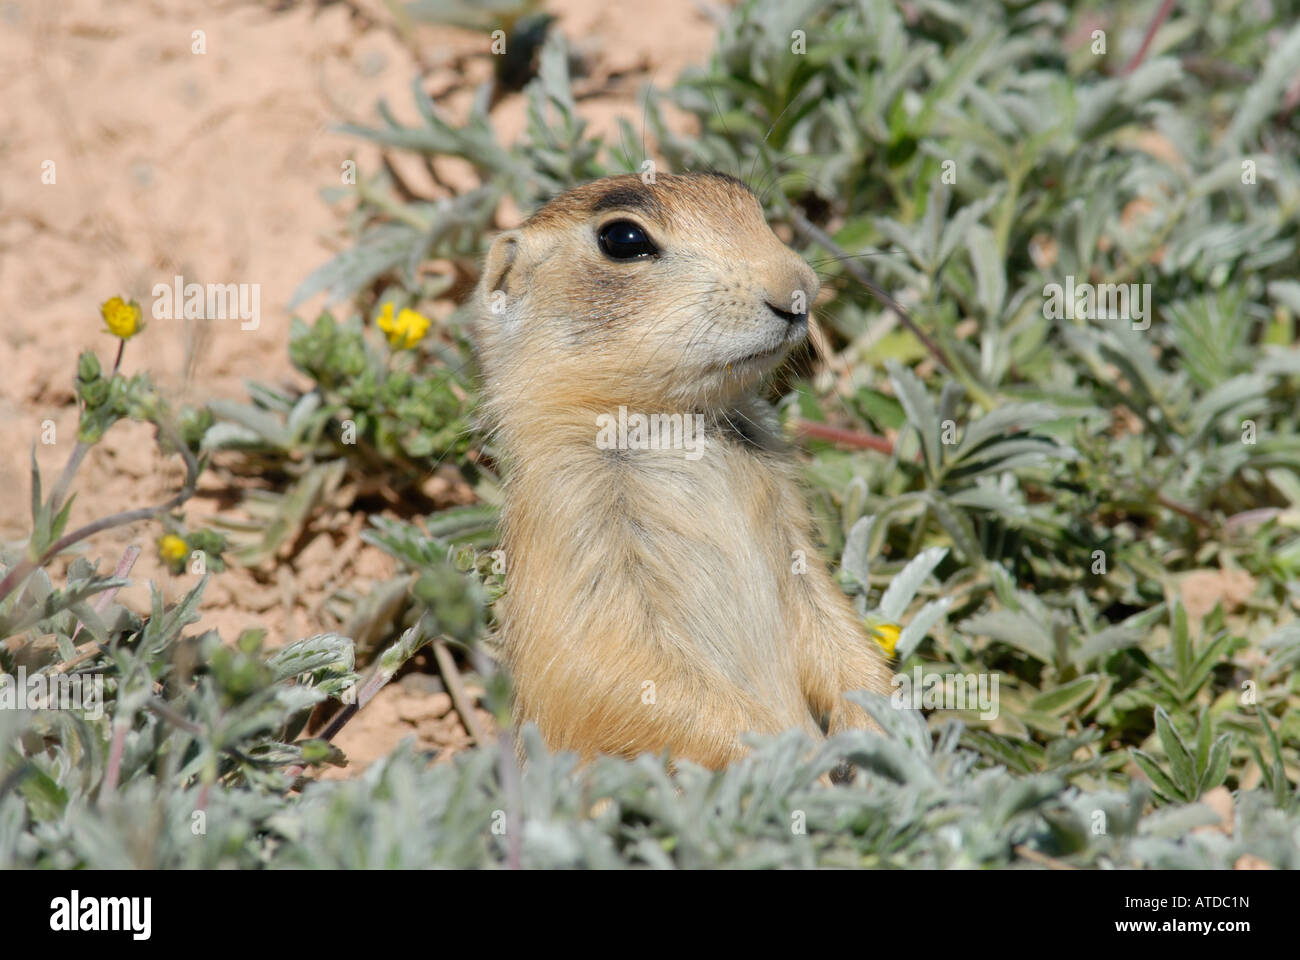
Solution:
(796, 333)
(760, 357)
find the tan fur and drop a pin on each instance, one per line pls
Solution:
(644, 575)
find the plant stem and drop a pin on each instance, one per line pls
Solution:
(1007, 215)
(65, 479)
(855, 269)
(824, 240)
(459, 696)
(113, 770)
(856, 439)
(1160, 17)
(79, 451)
(21, 570)
(93, 647)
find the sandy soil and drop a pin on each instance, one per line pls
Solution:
(209, 165)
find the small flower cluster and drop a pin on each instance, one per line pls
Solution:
(121, 317)
(405, 330)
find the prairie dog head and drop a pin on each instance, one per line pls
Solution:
(674, 293)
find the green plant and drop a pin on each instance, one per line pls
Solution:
(1012, 492)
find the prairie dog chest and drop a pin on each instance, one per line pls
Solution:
(689, 547)
(719, 490)
(712, 548)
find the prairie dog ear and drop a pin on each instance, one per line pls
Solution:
(500, 259)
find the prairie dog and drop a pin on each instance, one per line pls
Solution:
(668, 597)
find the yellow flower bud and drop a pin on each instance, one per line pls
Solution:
(405, 330)
(887, 636)
(122, 318)
(173, 549)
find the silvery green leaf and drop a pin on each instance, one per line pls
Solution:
(272, 398)
(855, 561)
(1008, 418)
(902, 588)
(855, 496)
(911, 240)
(1007, 502)
(266, 426)
(295, 697)
(457, 523)
(407, 645)
(888, 756)
(1005, 455)
(1180, 757)
(1216, 769)
(919, 408)
(990, 272)
(1026, 794)
(1067, 696)
(1175, 821)
(230, 436)
(920, 625)
(311, 654)
(53, 602)
(1264, 94)
(1105, 641)
(905, 725)
(91, 620)
(302, 411)
(382, 249)
(1287, 293)
(962, 224)
(949, 397)
(67, 650)
(956, 524)
(1019, 630)
(936, 214)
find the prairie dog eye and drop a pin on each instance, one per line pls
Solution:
(625, 240)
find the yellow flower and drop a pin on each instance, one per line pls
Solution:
(886, 636)
(406, 330)
(173, 549)
(123, 318)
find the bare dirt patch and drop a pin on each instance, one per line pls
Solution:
(209, 165)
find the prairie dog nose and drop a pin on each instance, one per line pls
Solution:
(790, 287)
